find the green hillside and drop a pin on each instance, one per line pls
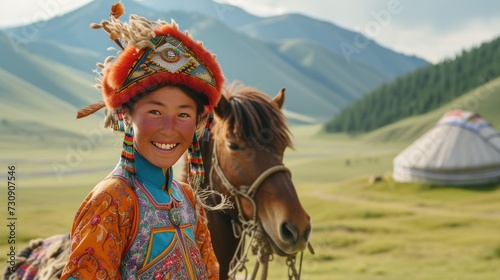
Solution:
(258, 66)
(328, 68)
(40, 99)
(316, 89)
(26, 106)
(229, 14)
(421, 91)
(483, 100)
(242, 58)
(75, 57)
(71, 86)
(340, 41)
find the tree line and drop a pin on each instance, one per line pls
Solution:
(420, 91)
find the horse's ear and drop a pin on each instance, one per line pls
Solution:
(279, 99)
(223, 107)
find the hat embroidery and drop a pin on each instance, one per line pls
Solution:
(169, 55)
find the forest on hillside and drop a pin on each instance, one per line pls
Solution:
(420, 91)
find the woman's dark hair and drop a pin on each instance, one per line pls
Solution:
(200, 99)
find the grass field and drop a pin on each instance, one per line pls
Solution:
(385, 230)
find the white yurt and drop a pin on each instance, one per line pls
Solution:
(461, 149)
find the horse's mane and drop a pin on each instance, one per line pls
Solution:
(256, 120)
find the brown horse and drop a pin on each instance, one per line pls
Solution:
(244, 158)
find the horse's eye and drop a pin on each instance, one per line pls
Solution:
(234, 146)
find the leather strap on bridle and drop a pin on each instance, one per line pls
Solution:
(251, 228)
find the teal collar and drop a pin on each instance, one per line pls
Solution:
(151, 174)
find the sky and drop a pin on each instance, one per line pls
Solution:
(431, 29)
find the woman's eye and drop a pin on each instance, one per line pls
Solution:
(234, 146)
(155, 112)
(184, 115)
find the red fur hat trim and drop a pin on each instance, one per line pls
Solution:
(115, 94)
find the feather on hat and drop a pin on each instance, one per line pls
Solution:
(153, 54)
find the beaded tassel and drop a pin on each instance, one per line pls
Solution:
(208, 127)
(128, 151)
(197, 171)
(127, 156)
(119, 123)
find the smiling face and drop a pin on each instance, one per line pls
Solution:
(164, 122)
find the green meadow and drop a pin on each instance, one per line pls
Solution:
(361, 230)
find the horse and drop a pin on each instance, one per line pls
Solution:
(244, 157)
(244, 161)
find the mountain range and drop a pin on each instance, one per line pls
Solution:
(46, 67)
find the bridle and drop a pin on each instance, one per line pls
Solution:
(251, 228)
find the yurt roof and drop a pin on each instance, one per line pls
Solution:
(460, 141)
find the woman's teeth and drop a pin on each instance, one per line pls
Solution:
(165, 146)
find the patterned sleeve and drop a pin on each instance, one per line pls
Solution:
(203, 237)
(101, 232)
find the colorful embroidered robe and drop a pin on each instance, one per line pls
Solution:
(123, 230)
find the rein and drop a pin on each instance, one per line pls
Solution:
(251, 228)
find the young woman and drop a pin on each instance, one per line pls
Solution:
(139, 223)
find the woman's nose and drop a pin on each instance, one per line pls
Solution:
(168, 124)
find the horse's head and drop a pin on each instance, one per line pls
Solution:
(250, 137)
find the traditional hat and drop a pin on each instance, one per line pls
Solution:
(153, 54)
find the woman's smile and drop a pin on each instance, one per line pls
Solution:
(164, 123)
(165, 147)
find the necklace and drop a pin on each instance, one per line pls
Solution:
(174, 214)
